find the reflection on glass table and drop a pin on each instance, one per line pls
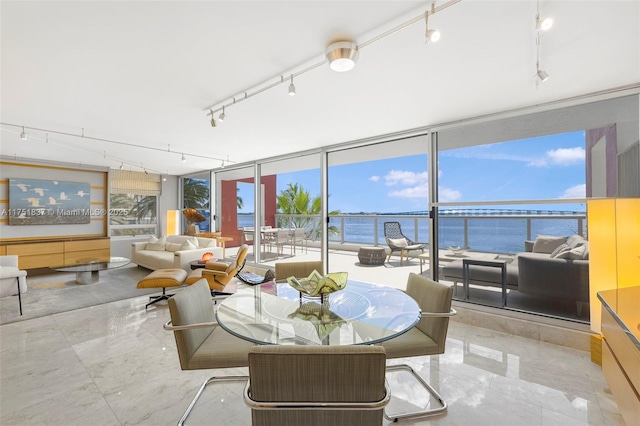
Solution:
(88, 270)
(276, 313)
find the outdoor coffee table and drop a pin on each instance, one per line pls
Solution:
(502, 264)
(88, 270)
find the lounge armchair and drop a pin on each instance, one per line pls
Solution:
(218, 274)
(12, 280)
(397, 241)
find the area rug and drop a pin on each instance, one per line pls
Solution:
(56, 292)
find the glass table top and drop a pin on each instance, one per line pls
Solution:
(275, 313)
(94, 264)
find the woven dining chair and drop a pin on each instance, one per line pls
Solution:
(317, 385)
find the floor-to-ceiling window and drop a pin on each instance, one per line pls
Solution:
(292, 198)
(374, 184)
(515, 190)
(196, 194)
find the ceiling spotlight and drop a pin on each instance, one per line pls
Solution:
(542, 75)
(222, 164)
(164, 178)
(184, 159)
(543, 24)
(121, 166)
(213, 121)
(292, 87)
(221, 116)
(23, 135)
(342, 55)
(433, 36)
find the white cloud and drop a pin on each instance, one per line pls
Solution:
(374, 178)
(395, 177)
(448, 194)
(566, 156)
(578, 191)
(420, 191)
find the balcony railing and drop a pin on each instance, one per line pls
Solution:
(489, 231)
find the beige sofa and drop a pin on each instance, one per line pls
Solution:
(173, 252)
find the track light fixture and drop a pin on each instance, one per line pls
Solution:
(184, 159)
(23, 135)
(342, 55)
(221, 117)
(431, 35)
(292, 87)
(121, 166)
(541, 25)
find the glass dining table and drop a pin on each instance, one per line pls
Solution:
(277, 314)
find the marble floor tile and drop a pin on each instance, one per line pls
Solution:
(113, 364)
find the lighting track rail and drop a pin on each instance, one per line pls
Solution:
(285, 77)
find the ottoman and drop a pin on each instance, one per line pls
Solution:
(162, 278)
(372, 255)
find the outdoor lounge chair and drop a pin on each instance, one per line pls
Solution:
(397, 241)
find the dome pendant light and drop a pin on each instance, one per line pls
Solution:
(342, 55)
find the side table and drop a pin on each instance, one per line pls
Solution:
(372, 255)
(502, 264)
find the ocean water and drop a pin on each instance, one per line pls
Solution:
(499, 235)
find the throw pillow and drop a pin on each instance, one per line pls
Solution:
(194, 242)
(561, 248)
(547, 243)
(398, 242)
(575, 241)
(172, 246)
(573, 254)
(187, 245)
(156, 244)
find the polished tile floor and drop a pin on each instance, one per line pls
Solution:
(113, 364)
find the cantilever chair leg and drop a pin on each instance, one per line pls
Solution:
(19, 296)
(210, 380)
(427, 386)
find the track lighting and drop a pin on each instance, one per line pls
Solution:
(432, 35)
(184, 159)
(292, 87)
(222, 164)
(23, 135)
(121, 166)
(221, 116)
(213, 121)
(342, 55)
(542, 75)
(164, 178)
(543, 24)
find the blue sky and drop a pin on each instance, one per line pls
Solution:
(549, 167)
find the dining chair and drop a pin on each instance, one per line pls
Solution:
(428, 337)
(280, 238)
(285, 270)
(300, 236)
(316, 385)
(200, 342)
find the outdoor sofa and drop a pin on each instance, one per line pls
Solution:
(554, 267)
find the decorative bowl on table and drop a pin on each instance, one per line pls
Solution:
(316, 285)
(456, 250)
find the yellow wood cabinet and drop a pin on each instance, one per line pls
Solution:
(57, 253)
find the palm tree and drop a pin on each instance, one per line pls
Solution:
(295, 200)
(239, 200)
(196, 193)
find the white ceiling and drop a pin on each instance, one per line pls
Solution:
(144, 73)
